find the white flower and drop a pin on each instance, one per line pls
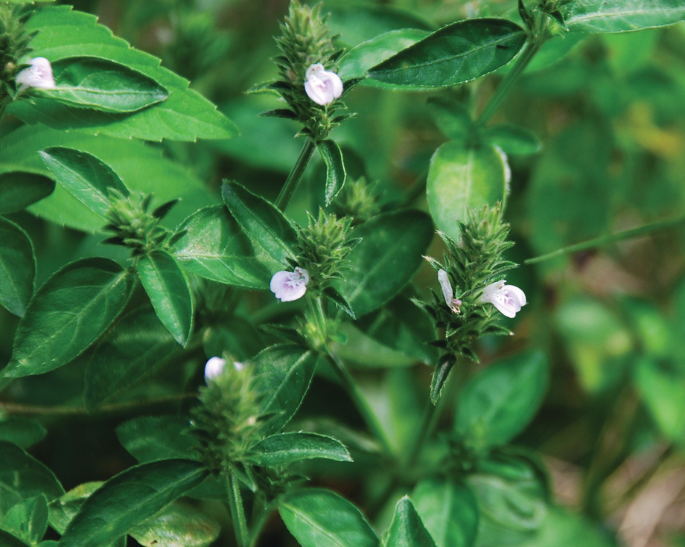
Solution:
(322, 86)
(289, 286)
(447, 292)
(39, 74)
(214, 367)
(507, 299)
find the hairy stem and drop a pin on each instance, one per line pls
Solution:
(237, 510)
(295, 175)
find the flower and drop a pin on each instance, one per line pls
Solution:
(507, 299)
(289, 286)
(322, 86)
(447, 292)
(214, 367)
(39, 75)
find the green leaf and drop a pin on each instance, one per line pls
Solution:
(101, 84)
(498, 402)
(214, 247)
(455, 54)
(184, 116)
(562, 528)
(18, 190)
(8, 540)
(317, 517)
(283, 374)
(452, 117)
(21, 431)
(233, 335)
(440, 376)
(154, 438)
(175, 526)
(335, 168)
(67, 314)
(287, 448)
(169, 293)
(406, 528)
(28, 519)
(270, 232)
(385, 259)
(134, 349)
(23, 477)
(84, 176)
(448, 510)
(17, 268)
(128, 499)
(513, 139)
(593, 16)
(358, 60)
(461, 178)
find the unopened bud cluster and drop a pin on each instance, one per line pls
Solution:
(14, 45)
(358, 200)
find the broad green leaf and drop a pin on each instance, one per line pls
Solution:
(270, 232)
(184, 116)
(134, 349)
(283, 374)
(287, 448)
(84, 176)
(232, 335)
(448, 510)
(214, 247)
(8, 540)
(128, 499)
(169, 293)
(17, 268)
(175, 526)
(154, 438)
(318, 517)
(101, 84)
(593, 16)
(23, 477)
(385, 259)
(407, 528)
(452, 117)
(498, 402)
(358, 60)
(28, 519)
(68, 314)
(513, 139)
(142, 168)
(562, 528)
(21, 431)
(464, 177)
(455, 54)
(18, 190)
(335, 168)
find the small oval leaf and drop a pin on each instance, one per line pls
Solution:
(594, 16)
(288, 448)
(17, 268)
(407, 528)
(335, 169)
(18, 190)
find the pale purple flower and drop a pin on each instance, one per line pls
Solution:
(289, 286)
(214, 368)
(506, 298)
(322, 86)
(39, 75)
(447, 292)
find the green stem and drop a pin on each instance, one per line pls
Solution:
(430, 418)
(260, 522)
(359, 401)
(295, 175)
(525, 57)
(611, 238)
(235, 505)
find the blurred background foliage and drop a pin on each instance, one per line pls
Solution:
(610, 112)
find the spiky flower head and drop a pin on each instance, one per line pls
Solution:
(358, 200)
(468, 268)
(14, 45)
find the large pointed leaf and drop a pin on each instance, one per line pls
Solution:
(101, 84)
(21, 431)
(386, 258)
(406, 528)
(17, 268)
(620, 15)
(464, 177)
(270, 232)
(128, 499)
(319, 517)
(27, 520)
(18, 190)
(154, 438)
(84, 176)
(67, 314)
(169, 293)
(283, 374)
(335, 168)
(175, 526)
(455, 54)
(214, 247)
(287, 448)
(130, 352)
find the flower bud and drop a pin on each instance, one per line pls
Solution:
(38, 75)
(214, 368)
(447, 292)
(322, 86)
